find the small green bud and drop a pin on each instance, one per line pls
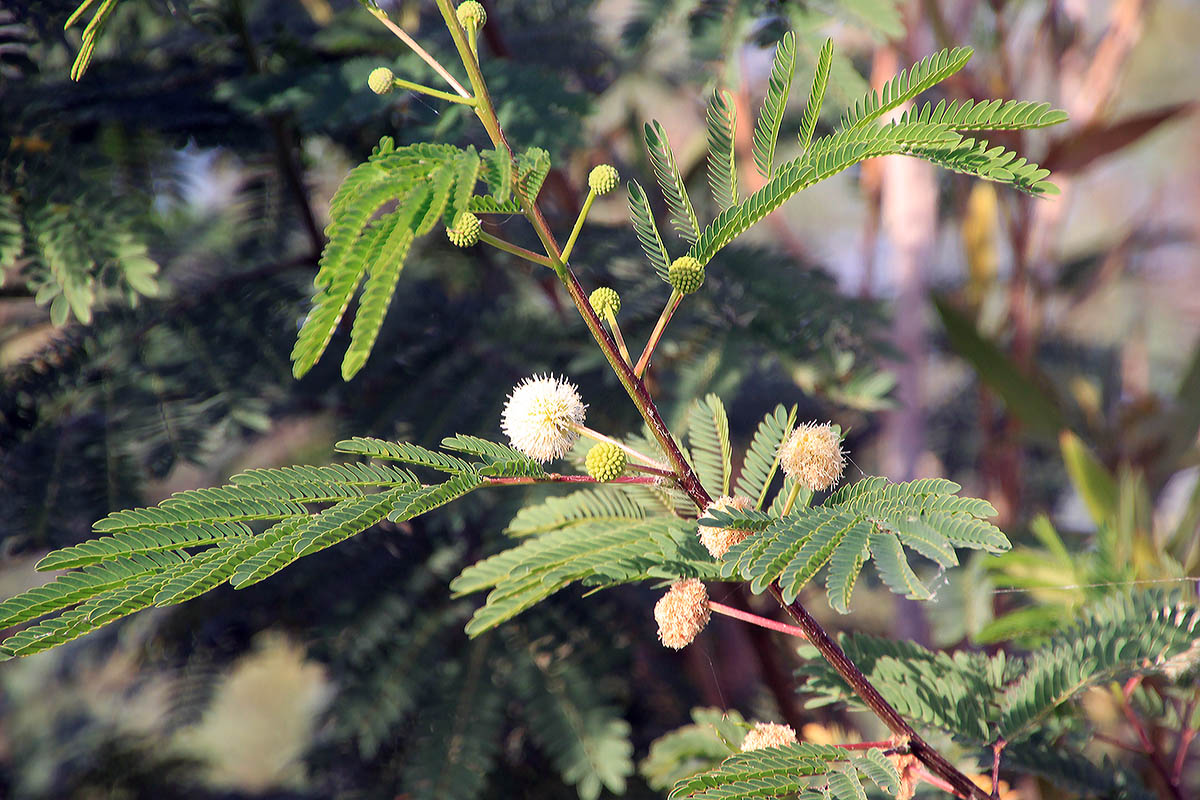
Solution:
(471, 15)
(465, 231)
(380, 80)
(606, 462)
(603, 179)
(604, 300)
(685, 274)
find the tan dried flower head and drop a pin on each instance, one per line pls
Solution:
(682, 613)
(541, 416)
(813, 456)
(719, 540)
(768, 734)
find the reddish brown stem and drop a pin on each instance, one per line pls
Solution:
(556, 478)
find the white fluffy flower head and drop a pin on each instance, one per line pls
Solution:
(768, 734)
(813, 456)
(541, 416)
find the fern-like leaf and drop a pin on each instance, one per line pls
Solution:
(779, 86)
(404, 452)
(1122, 635)
(826, 156)
(708, 436)
(762, 457)
(978, 158)
(424, 180)
(647, 230)
(587, 741)
(604, 504)
(987, 115)
(926, 73)
(386, 261)
(722, 171)
(666, 171)
(768, 772)
(596, 553)
(854, 522)
(816, 96)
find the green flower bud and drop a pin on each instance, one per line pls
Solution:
(471, 15)
(465, 231)
(603, 179)
(604, 300)
(685, 274)
(380, 80)
(606, 462)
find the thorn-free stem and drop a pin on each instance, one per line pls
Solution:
(401, 83)
(583, 213)
(519, 252)
(611, 318)
(755, 619)
(403, 36)
(660, 326)
(596, 436)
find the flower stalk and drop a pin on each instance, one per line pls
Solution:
(668, 310)
(755, 619)
(512, 249)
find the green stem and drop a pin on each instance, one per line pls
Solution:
(583, 212)
(429, 90)
(791, 498)
(516, 250)
(611, 318)
(672, 303)
(403, 36)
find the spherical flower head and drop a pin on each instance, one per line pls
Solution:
(380, 80)
(606, 462)
(471, 15)
(682, 613)
(813, 456)
(719, 540)
(685, 274)
(465, 232)
(541, 416)
(768, 734)
(605, 300)
(603, 179)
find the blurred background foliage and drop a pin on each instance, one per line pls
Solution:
(159, 226)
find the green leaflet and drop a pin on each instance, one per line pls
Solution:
(856, 522)
(708, 438)
(666, 171)
(595, 552)
(647, 230)
(428, 183)
(608, 503)
(825, 157)
(383, 272)
(779, 86)
(816, 95)
(927, 72)
(722, 172)
(588, 741)
(769, 772)
(986, 115)
(762, 457)
(981, 698)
